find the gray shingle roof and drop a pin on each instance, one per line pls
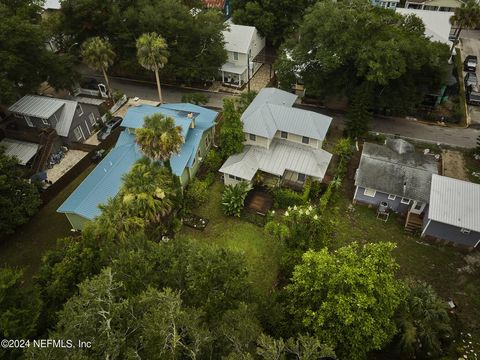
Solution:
(44, 107)
(408, 174)
(455, 202)
(282, 155)
(22, 150)
(271, 111)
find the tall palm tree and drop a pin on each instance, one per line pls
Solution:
(467, 16)
(159, 138)
(152, 54)
(98, 54)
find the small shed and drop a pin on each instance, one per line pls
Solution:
(22, 150)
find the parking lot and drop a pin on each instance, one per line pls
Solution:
(470, 45)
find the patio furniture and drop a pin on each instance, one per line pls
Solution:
(383, 211)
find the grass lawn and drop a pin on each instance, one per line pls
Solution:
(26, 246)
(262, 252)
(435, 264)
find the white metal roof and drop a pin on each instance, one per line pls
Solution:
(44, 107)
(455, 202)
(22, 150)
(52, 4)
(238, 37)
(234, 69)
(271, 111)
(37, 106)
(437, 23)
(281, 156)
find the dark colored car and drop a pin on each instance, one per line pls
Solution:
(473, 95)
(471, 79)
(89, 83)
(108, 128)
(470, 63)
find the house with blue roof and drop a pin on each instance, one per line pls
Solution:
(104, 182)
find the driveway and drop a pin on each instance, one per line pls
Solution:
(470, 40)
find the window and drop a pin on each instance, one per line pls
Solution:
(231, 176)
(253, 137)
(92, 119)
(79, 110)
(45, 122)
(305, 140)
(301, 177)
(284, 135)
(27, 119)
(235, 56)
(207, 140)
(194, 161)
(199, 153)
(405, 201)
(369, 192)
(78, 133)
(465, 231)
(391, 197)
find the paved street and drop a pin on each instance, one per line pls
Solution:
(457, 137)
(470, 45)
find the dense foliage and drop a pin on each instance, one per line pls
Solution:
(195, 43)
(25, 60)
(348, 297)
(231, 136)
(19, 199)
(345, 45)
(233, 198)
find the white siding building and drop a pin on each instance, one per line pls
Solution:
(242, 43)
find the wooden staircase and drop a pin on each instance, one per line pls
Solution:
(413, 223)
(47, 138)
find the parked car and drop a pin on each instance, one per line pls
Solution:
(471, 79)
(108, 128)
(470, 63)
(473, 95)
(89, 83)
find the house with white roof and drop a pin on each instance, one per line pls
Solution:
(72, 119)
(434, 5)
(437, 23)
(242, 43)
(282, 142)
(454, 211)
(386, 4)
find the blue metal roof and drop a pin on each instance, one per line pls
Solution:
(103, 182)
(106, 179)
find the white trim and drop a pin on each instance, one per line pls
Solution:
(27, 119)
(79, 127)
(88, 127)
(81, 110)
(425, 228)
(368, 192)
(45, 122)
(252, 137)
(392, 197)
(403, 201)
(465, 231)
(355, 194)
(475, 246)
(92, 119)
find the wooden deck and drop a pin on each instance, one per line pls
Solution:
(258, 201)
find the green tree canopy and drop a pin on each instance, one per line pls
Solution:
(19, 199)
(159, 138)
(423, 322)
(98, 54)
(152, 54)
(25, 61)
(348, 297)
(195, 43)
(231, 135)
(347, 44)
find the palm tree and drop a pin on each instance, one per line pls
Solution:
(159, 138)
(98, 54)
(152, 54)
(466, 16)
(422, 320)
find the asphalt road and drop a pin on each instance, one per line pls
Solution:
(457, 137)
(470, 40)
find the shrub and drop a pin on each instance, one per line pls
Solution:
(196, 194)
(213, 160)
(234, 197)
(284, 198)
(195, 98)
